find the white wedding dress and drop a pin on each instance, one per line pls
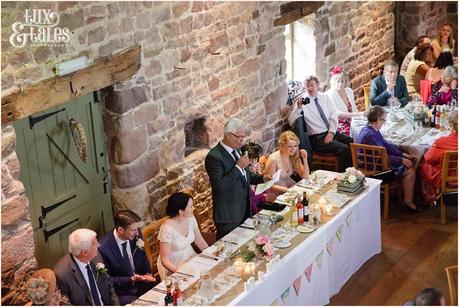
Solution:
(181, 249)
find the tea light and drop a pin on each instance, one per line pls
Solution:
(328, 209)
(249, 268)
(238, 266)
(260, 275)
(322, 202)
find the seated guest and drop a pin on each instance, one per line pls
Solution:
(321, 119)
(445, 90)
(371, 135)
(41, 289)
(423, 39)
(388, 85)
(256, 166)
(430, 297)
(444, 60)
(431, 165)
(444, 42)
(125, 259)
(418, 68)
(291, 162)
(343, 99)
(177, 233)
(78, 278)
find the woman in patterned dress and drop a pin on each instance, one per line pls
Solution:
(343, 99)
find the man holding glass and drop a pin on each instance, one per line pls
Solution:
(230, 178)
(390, 85)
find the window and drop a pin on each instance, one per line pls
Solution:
(300, 48)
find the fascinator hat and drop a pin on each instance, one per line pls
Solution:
(336, 70)
(42, 286)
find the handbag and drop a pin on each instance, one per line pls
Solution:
(426, 88)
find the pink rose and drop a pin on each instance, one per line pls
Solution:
(269, 249)
(261, 240)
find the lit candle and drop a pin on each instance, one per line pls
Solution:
(328, 209)
(238, 266)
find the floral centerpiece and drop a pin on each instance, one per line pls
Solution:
(352, 181)
(415, 111)
(260, 247)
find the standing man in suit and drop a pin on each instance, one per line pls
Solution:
(77, 275)
(388, 85)
(125, 258)
(230, 179)
(321, 119)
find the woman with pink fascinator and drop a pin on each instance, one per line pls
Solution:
(343, 99)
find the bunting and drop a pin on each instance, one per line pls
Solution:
(284, 295)
(330, 246)
(339, 233)
(349, 219)
(297, 285)
(319, 259)
(308, 272)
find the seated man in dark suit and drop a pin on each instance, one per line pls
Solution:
(77, 276)
(388, 85)
(126, 261)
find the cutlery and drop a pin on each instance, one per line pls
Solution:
(159, 290)
(184, 274)
(148, 301)
(209, 257)
(247, 227)
(231, 242)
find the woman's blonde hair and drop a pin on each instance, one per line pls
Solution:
(338, 77)
(451, 41)
(284, 138)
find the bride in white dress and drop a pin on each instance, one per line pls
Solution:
(177, 233)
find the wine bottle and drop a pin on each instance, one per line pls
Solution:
(432, 122)
(299, 209)
(305, 207)
(168, 299)
(178, 295)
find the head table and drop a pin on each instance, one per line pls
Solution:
(309, 272)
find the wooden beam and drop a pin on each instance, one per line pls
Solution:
(52, 92)
(297, 10)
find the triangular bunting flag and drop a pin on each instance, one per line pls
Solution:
(274, 303)
(330, 246)
(297, 285)
(308, 272)
(349, 219)
(339, 233)
(319, 259)
(284, 295)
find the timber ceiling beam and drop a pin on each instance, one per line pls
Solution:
(293, 11)
(52, 92)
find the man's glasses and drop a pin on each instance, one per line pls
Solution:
(237, 136)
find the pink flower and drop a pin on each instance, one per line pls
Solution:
(261, 240)
(269, 249)
(336, 70)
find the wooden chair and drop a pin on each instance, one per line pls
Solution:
(150, 237)
(448, 182)
(366, 94)
(373, 160)
(325, 161)
(451, 274)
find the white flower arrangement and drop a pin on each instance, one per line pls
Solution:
(351, 175)
(100, 268)
(37, 290)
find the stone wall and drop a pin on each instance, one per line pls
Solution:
(359, 36)
(421, 18)
(17, 236)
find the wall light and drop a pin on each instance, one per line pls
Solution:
(72, 65)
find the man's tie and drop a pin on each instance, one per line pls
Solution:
(126, 258)
(92, 284)
(235, 155)
(322, 114)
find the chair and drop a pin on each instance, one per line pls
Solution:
(366, 94)
(451, 274)
(372, 161)
(325, 161)
(150, 236)
(448, 183)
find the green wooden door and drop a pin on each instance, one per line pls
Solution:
(64, 192)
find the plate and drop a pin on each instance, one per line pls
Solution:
(304, 229)
(281, 244)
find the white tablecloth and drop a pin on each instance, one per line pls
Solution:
(346, 242)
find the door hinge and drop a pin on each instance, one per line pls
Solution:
(34, 120)
(49, 233)
(46, 210)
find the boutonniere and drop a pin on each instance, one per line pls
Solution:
(139, 245)
(100, 268)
